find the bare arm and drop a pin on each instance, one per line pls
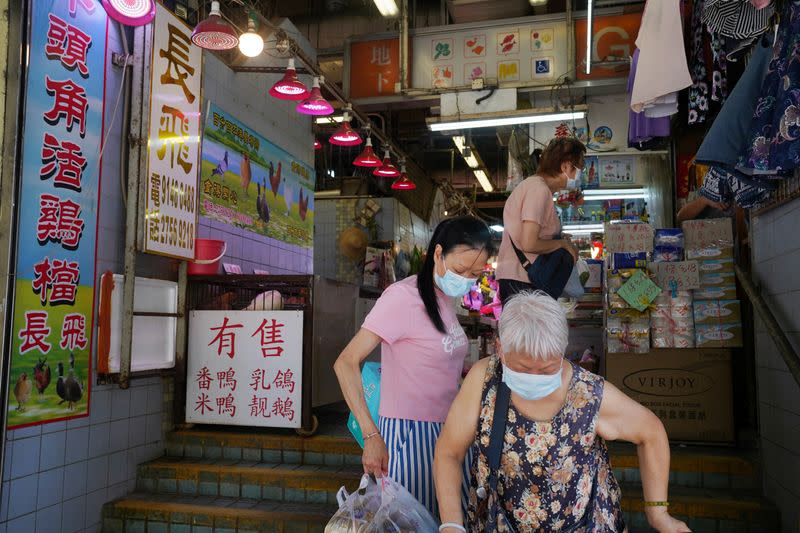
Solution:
(694, 208)
(348, 372)
(621, 418)
(457, 436)
(532, 243)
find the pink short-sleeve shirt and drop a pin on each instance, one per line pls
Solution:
(420, 366)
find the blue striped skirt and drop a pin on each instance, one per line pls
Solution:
(411, 445)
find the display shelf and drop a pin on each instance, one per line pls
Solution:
(626, 151)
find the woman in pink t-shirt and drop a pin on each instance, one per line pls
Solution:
(423, 348)
(529, 216)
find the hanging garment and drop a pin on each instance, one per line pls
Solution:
(736, 18)
(698, 92)
(719, 72)
(729, 188)
(641, 128)
(773, 144)
(662, 67)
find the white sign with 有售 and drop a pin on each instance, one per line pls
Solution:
(173, 159)
(245, 368)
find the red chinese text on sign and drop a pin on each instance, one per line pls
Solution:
(226, 340)
(283, 408)
(285, 380)
(68, 44)
(203, 404)
(227, 379)
(73, 332)
(226, 405)
(259, 407)
(87, 5)
(70, 103)
(64, 160)
(259, 380)
(204, 379)
(34, 334)
(270, 331)
(59, 221)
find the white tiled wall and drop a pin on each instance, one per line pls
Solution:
(776, 264)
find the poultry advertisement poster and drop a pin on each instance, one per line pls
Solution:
(248, 182)
(51, 340)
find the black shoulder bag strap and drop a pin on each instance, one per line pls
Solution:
(521, 256)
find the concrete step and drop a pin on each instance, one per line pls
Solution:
(705, 511)
(205, 514)
(696, 467)
(244, 479)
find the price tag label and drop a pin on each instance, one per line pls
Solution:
(629, 238)
(639, 291)
(708, 233)
(685, 275)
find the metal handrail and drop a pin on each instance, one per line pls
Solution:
(787, 351)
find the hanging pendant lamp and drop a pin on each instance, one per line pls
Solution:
(367, 158)
(315, 104)
(130, 12)
(214, 33)
(317, 145)
(289, 87)
(387, 169)
(403, 183)
(251, 44)
(345, 135)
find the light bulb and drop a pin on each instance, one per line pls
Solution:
(250, 43)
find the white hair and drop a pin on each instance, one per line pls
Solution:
(535, 324)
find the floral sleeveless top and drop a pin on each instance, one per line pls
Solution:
(547, 469)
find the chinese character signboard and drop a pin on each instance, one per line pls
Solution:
(245, 368)
(450, 57)
(56, 237)
(174, 138)
(374, 67)
(613, 39)
(248, 182)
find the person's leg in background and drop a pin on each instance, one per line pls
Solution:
(511, 287)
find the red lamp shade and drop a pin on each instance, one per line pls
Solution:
(387, 169)
(345, 135)
(289, 87)
(315, 104)
(214, 33)
(367, 158)
(317, 145)
(403, 183)
(130, 12)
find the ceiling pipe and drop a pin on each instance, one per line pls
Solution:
(403, 46)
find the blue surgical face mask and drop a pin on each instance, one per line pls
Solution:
(452, 284)
(575, 183)
(532, 386)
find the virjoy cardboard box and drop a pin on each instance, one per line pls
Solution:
(717, 312)
(717, 279)
(718, 335)
(689, 390)
(716, 293)
(711, 252)
(716, 266)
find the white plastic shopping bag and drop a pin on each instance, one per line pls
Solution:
(400, 512)
(356, 510)
(579, 275)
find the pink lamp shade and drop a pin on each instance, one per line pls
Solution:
(403, 183)
(317, 145)
(345, 135)
(214, 33)
(367, 158)
(387, 169)
(130, 12)
(289, 87)
(315, 104)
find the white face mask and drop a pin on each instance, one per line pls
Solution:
(532, 386)
(575, 183)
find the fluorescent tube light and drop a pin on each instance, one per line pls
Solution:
(589, 36)
(497, 227)
(483, 179)
(583, 227)
(505, 121)
(329, 120)
(612, 194)
(602, 192)
(471, 161)
(461, 143)
(388, 8)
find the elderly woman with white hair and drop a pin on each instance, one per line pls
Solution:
(539, 425)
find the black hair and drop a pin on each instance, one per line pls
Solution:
(460, 231)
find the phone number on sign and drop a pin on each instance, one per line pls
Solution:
(170, 231)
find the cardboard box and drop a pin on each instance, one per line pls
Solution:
(712, 252)
(708, 233)
(717, 266)
(718, 336)
(717, 312)
(717, 279)
(727, 292)
(689, 390)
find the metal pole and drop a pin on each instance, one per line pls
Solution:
(403, 46)
(774, 329)
(131, 207)
(571, 64)
(181, 334)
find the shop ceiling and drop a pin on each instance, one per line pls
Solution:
(329, 24)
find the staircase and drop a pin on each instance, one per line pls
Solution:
(216, 481)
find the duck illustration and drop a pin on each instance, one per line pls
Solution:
(69, 389)
(261, 202)
(222, 167)
(245, 174)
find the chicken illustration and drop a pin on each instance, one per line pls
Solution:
(245, 174)
(288, 193)
(222, 167)
(69, 389)
(275, 180)
(41, 375)
(261, 202)
(22, 391)
(302, 206)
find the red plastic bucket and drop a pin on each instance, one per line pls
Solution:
(207, 255)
